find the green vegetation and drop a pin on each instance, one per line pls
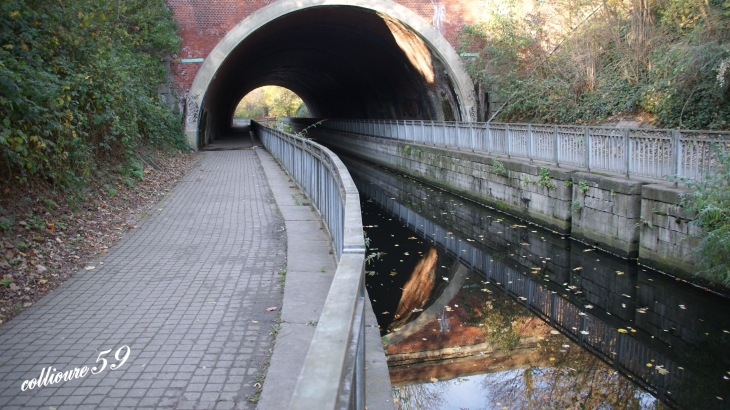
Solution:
(709, 198)
(79, 85)
(271, 101)
(543, 179)
(576, 206)
(498, 167)
(583, 186)
(583, 62)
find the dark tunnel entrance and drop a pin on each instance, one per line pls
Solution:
(343, 61)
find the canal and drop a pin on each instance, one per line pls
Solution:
(480, 310)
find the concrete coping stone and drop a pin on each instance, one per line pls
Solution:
(616, 184)
(663, 193)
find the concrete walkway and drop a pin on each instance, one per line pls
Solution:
(187, 292)
(310, 269)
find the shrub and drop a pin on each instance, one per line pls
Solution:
(78, 82)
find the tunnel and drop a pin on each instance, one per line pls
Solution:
(376, 60)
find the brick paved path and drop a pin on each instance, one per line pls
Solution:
(184, 291)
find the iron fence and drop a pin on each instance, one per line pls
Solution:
(333, 376)
(651, 153)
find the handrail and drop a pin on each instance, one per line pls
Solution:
(642, 152)
(333, 376)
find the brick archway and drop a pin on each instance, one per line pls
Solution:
(438, 46)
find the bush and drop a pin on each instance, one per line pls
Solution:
(78, 82)
(709, 198)
(669, 59)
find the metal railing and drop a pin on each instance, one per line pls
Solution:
(651, 153)
(333, 376)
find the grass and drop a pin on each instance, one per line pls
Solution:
(296, 200)
(282, 277)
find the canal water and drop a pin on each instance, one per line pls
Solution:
(480, 310)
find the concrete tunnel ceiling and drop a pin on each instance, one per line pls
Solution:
(344, 61)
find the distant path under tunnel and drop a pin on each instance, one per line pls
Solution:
(187, 292)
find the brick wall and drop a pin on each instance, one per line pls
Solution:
(204, 23)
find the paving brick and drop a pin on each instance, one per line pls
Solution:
(180, 290)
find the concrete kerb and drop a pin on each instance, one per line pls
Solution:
(310, 266)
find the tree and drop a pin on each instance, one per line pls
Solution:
(269, 101)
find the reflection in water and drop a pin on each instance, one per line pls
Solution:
(417, 290)
(524, 364)
(531, 319)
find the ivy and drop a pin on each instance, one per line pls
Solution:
(79, 82)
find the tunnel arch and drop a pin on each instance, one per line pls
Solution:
(219, 79)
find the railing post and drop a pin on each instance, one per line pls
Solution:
(627, 152)
(529, 142)
(676, 154)
(556, 146)
(489, 138)
(508, 138)
(471, 135)
(587, 145)
(582, 329)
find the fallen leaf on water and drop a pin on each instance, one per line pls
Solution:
(386, 313)
(271, 309)
(416, 310)
(90, 267)
(433, 379)
(618, 272)
(254, 321)
(622, 331)
(588, 250)
(649, 365)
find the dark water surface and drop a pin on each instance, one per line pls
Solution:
(480, 310)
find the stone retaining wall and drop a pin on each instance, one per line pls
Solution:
(629, 218)
(667, 235)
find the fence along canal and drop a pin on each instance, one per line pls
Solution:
(664, 336)
(333, 376)
(650, 153)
